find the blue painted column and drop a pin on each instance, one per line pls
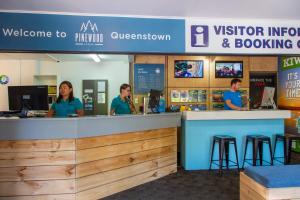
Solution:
(197, 138)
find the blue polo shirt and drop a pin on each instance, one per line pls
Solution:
(120, 106)
(235, 98)
(65, 108)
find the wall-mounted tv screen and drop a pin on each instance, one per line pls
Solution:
(188, 68)
(229, 69)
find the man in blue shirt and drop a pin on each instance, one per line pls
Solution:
(232, 98)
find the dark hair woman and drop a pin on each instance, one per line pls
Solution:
(66, 104)
(122, 104)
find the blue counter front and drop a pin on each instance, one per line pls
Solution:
(198, 129)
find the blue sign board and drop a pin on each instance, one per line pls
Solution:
(147, 77)
(74, 33)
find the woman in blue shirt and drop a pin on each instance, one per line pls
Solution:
(122, 104)
(66, 103)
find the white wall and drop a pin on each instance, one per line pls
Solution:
(11, 68)
(116, 72)
(21, 72)
(273, 9)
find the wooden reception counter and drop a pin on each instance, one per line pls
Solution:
(84, 158)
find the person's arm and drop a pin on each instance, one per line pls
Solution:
(50, 113)
(232, 106)
(132, 107)
(227, 99)
(112, 111)
(113, 107)
(79, 108)
(80, 112)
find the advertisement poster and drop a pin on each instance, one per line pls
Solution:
(147, 77)
(175, 96)
(193, 96)
(217, 96)
(257, 84)
(289, 83)
(202, 96)
(184, 96)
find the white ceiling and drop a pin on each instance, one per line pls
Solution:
(61, 57)
(270, 9)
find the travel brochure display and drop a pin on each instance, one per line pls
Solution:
(217, 96)
(217, 101)
(175, 96)
(184, 96)
(192, 96)
(218, 106)
(193, 107)
(198, 98)
(202, 96)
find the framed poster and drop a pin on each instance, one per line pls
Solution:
(147, 77)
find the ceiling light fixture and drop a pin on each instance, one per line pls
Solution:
(101, 56)
(53, 58)
(95, 57)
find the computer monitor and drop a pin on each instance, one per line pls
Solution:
(154, 100)
(268, 98)
(28, 97)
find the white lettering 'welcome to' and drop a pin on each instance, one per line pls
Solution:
(26, 33)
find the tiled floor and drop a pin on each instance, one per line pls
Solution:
(189, 185)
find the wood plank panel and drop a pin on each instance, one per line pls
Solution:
(263, 63)
(252, 186)
(37, 187)
(191, 82)
(103, 178)
(42, 197)
(247, 193)
(252, 190)
(92, 142)
(284, 193)
(98, 166)
(106, 190)
(98, 153)
(225, 82)
(37, 173)
(37, 145)
(150, 59)
(37, 158)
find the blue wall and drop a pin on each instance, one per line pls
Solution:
(197, 139)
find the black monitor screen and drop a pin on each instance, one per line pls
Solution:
(31, 97)
(154, 98)
(229, 69)
(189, 68)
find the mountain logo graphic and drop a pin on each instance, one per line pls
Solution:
(89, 25)
(89, 35)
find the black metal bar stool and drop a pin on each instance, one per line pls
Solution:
(224, 141)
(257, 145)
(287, 139)
(278, 138)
